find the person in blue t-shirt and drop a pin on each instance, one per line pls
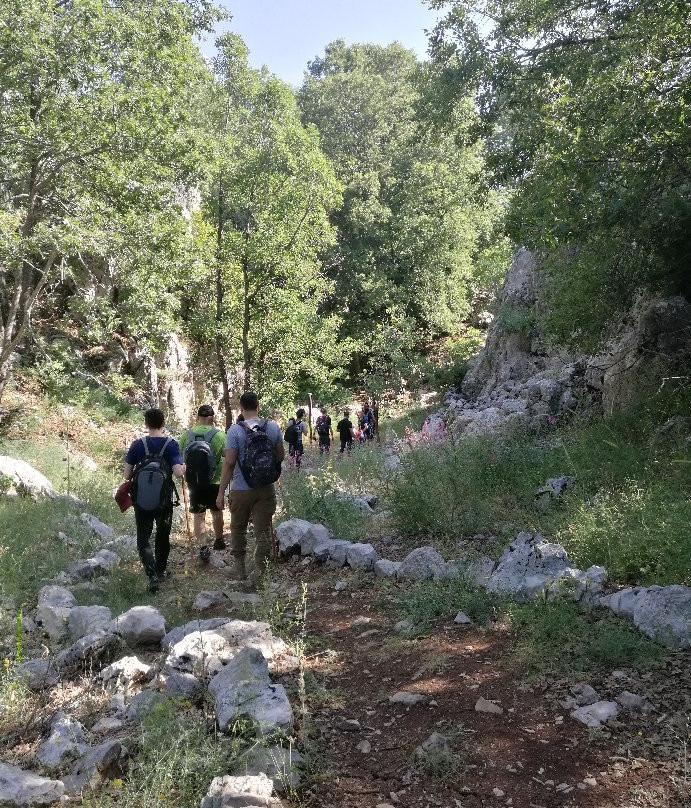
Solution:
(154, 561)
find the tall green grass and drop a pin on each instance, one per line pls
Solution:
(629, 510)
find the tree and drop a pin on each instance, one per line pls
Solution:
(414, 216)
(584, 107)
(267, 203)
(96, 139)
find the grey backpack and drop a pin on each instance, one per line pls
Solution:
(152, 480)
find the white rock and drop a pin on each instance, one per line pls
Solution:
(176, 634)
(107, 724)
(54, 606)
(83, 620)
(207, 599)
(140, 627)
(143, 704)
(664, 614)
(243, 689)
(126, 670)
(409, 699)
(22, 788)
(585, 694)
(331, 552)
(386, 569)
(38, 674)
(280, 764)
(25, 478)
(361, 556)
(482, 705)
(462, 619)
(102, 530)
(437, 745)
(528, 567)
(65, 743)
(422, 563)
(632, 701)
(594, 715)
(623, 602)
(103, 762)
(239, 792)
(365, 747)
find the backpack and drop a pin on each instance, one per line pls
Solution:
(200, 458)
(259, 465)
(291, 433)
(152, 480)
(323, 426)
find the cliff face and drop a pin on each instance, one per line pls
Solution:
(519, 378)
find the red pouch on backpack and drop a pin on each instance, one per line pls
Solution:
(122, 496)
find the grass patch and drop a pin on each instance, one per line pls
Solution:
(426, 601)
(629, 510)
(311, 497)
(178, 756)
(558, 638)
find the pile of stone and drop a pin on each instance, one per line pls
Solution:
(531, 567)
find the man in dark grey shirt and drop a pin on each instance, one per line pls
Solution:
(258, 504)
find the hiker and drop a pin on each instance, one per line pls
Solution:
(294, 433)
(367, 423)
(345, 432)
(324, 431)
(253, 456)
(150, 464)
(202, 452)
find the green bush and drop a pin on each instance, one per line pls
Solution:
(178, 757)
(629, 510)
(311, 497)
(426, 601)
(516, 319)
(558, 638)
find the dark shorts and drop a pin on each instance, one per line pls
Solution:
(296, 449)
(203, 499)
(324, 440)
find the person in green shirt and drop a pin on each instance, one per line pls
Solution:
(202, 448)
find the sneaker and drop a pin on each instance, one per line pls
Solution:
(204, 553)
(219, 544)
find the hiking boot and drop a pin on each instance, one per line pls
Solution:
(204, 554)
(219, 544)
(154, 584)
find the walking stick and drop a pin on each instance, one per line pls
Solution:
(187, 515)
(309, 407)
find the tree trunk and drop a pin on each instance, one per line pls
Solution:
(246, 354)
(220, 294)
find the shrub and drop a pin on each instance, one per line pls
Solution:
(516, 319)
(558, 638)
(426, 601)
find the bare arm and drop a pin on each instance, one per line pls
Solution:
(179, 470)
(280, 451)
(230, 458)
(127, 470)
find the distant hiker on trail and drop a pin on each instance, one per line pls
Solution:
(324, 431)
(367, 423)
(253, 456)
(295, 431)
(345, 432)
(202, 451)
(151, 463)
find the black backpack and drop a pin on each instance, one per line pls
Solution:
(259, 465)
(323, 426)
(200, 458)
(291, 433)
(152, 480)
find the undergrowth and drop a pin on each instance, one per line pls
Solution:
(629, 509)
(560, 638)
(426, 601)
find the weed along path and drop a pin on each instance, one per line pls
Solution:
(448, 719)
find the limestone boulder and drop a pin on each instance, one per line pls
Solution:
(422, 564)
(243, 689)
(83, 620)
(140, 627)
(103, 762)
(528, 567)
(664, 615)
(361, 556)
(52, 613)
(65, 743)
(23, 788)
(239, 792)
(25, 479)
(386, 569)
(96, 526)
(38, 674)
(128, 670)
(92, 650)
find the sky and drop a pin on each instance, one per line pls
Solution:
(286, 34)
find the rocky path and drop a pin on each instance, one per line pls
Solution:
(448, 720)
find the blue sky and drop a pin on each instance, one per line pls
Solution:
(286, 34)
